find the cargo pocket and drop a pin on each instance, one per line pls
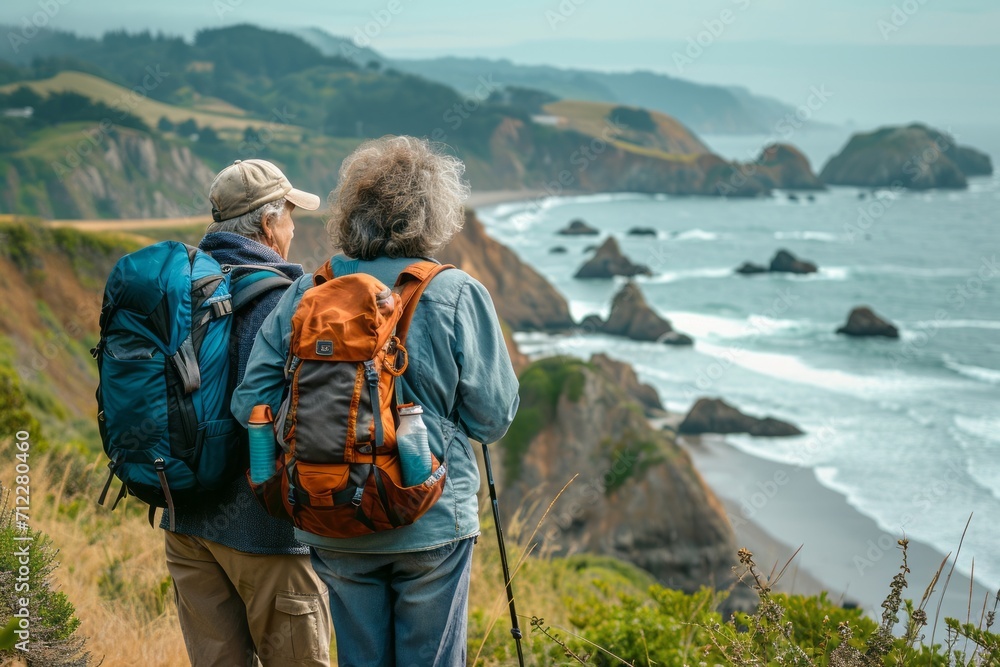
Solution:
(295, 631)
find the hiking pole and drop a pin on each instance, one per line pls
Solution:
(514, 628)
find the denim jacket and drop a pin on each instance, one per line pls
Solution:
(459, 371)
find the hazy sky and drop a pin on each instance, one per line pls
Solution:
(882, 60)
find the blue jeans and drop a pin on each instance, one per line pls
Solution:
(399, 610)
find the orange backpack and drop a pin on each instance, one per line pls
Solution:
(339, 468)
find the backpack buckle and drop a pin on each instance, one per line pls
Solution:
(371, 375)
(222, 308)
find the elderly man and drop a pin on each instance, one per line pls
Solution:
(245, 591)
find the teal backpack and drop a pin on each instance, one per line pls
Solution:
(163, 360)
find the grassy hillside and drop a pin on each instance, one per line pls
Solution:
(146, 108)
(663, 136)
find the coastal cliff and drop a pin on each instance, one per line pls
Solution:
(524, 300)
(636, 496)
(122, 173)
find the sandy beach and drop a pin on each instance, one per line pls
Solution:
(775, 507)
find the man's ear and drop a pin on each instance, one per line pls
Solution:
(266, 225)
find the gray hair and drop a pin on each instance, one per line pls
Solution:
(249, 224)
(397, 197)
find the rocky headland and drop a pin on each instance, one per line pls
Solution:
(913, 157)
(636, 495)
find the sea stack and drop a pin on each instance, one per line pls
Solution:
(609, 262)
(632, 317)
(578, 228)
(915, 157)
(713, 415)
(785, 262)
(864, 322)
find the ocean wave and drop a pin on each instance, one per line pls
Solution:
(694, 235)
(794, 369)
(688, 274)
(979, 437)
(700, 325)
(984, 428)
(807, 236)
(987, 375)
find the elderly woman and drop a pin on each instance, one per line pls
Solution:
(400, 597)
(243, 582)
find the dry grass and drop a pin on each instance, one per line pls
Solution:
(101, 554)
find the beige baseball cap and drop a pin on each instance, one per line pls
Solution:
(246, 185)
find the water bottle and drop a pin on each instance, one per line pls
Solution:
(414, 449)
(261, 430)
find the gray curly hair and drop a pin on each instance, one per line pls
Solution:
(397, 197)
(249, 224)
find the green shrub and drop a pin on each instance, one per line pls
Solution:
(52, 625)
(541, 385)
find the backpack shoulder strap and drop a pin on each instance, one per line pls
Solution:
(250, 286)
(410, 284)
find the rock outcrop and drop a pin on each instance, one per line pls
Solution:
(972, 162)
(785, 262)
(784, 166)
(633, 318)
(636, 496)
(915, 157)
(578, 228)
(864, 322)
(642, 231)
(609, 262)
(536, 306)
(749, 268)
(713, 415)
(782, 262)
(625, 378)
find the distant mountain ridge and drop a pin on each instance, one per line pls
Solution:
(702, 107)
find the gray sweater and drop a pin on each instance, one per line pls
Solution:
(235, 518)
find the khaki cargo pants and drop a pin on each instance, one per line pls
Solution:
(246, 610)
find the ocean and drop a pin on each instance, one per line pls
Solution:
(907, 430)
